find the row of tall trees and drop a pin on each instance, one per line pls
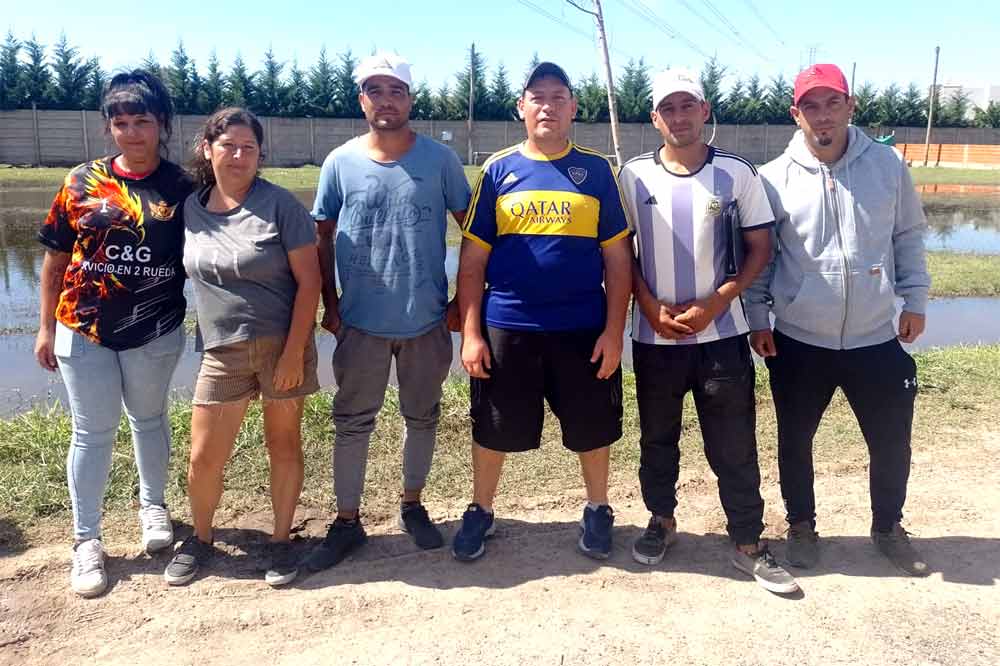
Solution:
(61, 78)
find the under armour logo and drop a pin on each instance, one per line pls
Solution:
(910, 383)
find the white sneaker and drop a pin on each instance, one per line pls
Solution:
(157, 530)
(88, 578)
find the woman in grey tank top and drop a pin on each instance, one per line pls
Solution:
(250, 253)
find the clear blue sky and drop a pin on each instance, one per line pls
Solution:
(891, 40)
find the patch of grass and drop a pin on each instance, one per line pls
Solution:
(961, 274)
(958, 390)
(936, 175)
(50, 177)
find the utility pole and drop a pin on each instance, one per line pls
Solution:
(472, 98)
(602, 38)
(930, 107)
(854, 69)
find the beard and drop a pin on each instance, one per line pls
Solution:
(824, 141)
(385, 122)
(685, 141)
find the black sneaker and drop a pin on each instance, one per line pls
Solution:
(652, 545)
(895, 545)
(802, 547)
(192, 554)
(413, 520)
(343, 537)
(282, 563)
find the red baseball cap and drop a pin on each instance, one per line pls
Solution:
(820, 76)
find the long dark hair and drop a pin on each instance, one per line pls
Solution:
(135, 93)
(217, 125)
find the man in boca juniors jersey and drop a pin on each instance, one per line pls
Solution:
(547, 233)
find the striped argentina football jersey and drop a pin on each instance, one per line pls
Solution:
(680, 237)
(544, 221)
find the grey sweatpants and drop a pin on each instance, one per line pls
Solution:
(361, 368)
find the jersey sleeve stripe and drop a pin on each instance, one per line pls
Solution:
(477, 240)
(766, 225)
(723, 153)
(625, 233)
(474, 202)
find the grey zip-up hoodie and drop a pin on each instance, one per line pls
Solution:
(850, 238)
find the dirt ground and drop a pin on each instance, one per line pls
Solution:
(534, 600)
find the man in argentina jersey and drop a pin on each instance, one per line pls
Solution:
(689, 332)
(547, 232)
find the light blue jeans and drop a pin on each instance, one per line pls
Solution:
(99, 381)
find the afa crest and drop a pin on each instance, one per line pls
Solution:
(714, 206)
(577, 174)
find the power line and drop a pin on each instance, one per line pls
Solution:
(732, 28)
(641, 10)
(552, 17)
(712, 24)
(767, 24)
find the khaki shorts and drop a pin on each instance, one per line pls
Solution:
(245, 369)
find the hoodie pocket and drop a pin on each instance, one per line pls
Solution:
(872, 301)
(817, 306)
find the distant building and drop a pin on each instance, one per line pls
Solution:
(979, 96)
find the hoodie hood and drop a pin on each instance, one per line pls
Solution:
(857, 143)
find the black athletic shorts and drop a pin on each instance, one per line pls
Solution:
(529, 367)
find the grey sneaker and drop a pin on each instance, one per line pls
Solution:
(157, 530)
(652, 545)
(895, 545)
(765, 570)
(88, 577)
(192, 554)
(802, 547)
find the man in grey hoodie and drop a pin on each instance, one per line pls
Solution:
(849, 229)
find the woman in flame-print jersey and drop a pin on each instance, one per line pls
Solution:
(112, 309)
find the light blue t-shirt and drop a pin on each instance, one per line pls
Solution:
(391, 226)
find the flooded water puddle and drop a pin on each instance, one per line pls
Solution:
(950, 321)
(963, 224)
(958, 221)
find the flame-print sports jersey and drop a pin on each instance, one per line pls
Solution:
(680, 236)
(545, 221)
(124, 283)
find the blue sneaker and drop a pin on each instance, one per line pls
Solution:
(470, 540)
(595, 527)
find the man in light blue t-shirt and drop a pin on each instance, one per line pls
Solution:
(383, 200)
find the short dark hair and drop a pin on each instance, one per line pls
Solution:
(135, 93)
(217, 125)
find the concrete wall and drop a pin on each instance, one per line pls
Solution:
(70, 137)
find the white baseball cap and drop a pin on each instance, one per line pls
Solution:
(383, 64)
(672, 81)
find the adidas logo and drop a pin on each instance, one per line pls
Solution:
(510, 179)
(651, 201)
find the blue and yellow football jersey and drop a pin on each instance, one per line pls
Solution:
(545, 220)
